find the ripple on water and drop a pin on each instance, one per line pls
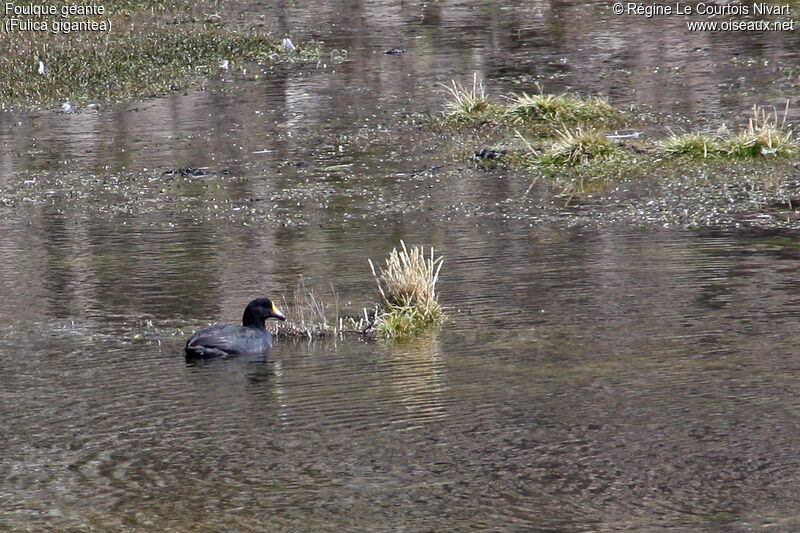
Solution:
(593, 381)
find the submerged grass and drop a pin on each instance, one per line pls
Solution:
(407, 285)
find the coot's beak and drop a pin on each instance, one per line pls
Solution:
(276, 312)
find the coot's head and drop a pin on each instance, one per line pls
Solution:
(258, 311)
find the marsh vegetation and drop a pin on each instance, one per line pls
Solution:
(150, 48)
(407, 286)
(408, 303)
(564, 129)
(582, 144)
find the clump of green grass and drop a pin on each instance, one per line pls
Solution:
(578, 147)
(764, 136)
(556, 110)
(694, 145)
(468, 105)
(407, 285)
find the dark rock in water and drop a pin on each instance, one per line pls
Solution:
(186, 171)
(191, 171)
(488, 153)
(395, 51)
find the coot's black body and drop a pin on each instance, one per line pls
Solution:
(251, 337)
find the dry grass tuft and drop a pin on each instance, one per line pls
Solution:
(764, 136)
(309, 317)
(467, 105)
(407, 286)
(559, 109)
(579, 147)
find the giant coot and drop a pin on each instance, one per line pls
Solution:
(226, 339)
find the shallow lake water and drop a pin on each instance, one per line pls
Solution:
(588, 379)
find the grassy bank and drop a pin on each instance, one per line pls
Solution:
(150, 48)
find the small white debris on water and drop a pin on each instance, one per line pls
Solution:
(634, 135)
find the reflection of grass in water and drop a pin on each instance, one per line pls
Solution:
(587, 180)
(417, 378)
